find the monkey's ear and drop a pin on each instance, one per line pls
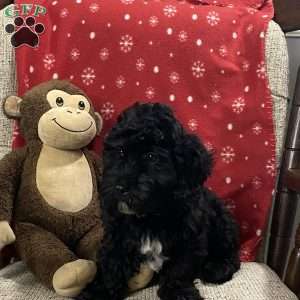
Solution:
(11, 107)
(99, 122)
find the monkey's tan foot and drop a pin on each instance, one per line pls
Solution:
(70, 279)
(7, 236)
(141, 279)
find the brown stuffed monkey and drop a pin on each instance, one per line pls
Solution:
(49, 202)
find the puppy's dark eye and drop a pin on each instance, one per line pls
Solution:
(81, 105)
(150, 156)
(121, 152)
(59, 101)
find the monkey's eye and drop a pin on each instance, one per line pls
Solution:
(150, 156)
(59, 101)
(81, 105)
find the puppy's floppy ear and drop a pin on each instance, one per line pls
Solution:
(194, 162)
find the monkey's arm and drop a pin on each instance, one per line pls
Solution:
(89, 245)
(10, 173)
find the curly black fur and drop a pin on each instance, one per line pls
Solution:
(154, 166)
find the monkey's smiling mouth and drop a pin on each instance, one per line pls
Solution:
(54, 120)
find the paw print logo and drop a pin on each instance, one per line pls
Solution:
(25, 32)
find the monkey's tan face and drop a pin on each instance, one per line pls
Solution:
(68, 125)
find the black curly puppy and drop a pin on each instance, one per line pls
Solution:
(153, 197)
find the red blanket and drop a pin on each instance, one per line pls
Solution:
(204, 58)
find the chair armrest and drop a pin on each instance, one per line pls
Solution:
(288, 186)
(292, 278)
(292, 180)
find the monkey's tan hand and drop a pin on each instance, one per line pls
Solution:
(7, 235)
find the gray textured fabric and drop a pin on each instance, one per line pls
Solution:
(7, 84)
(278, 72)
(253, 281)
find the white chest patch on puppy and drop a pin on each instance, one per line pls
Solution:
(153, 251)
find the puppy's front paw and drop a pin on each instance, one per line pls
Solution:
(180, 294)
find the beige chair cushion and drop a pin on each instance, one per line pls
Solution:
(253, 282)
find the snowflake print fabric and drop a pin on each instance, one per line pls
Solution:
(196, 56)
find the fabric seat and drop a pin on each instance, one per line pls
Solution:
(253, 281)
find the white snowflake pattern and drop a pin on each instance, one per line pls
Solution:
(153, 21)
(94, 7)
(104, 54)
(215, 96)
(16, 134)
(49, 61)
(193, 124)
(31, 69)
(182, 36)
(213, 18)
(245, 65)
(198, 69)
(170, 11)
(26, 81)
(261, 70)
(107, 110)
(256, 128)
(258, 232)
(88, 76)
(127, 2)
(249, 28)
(271, 167)
(256, 182)
(120, 82)
(64, 13)
(75, 53)
(227, 154)
(256, 5)
(140, 64)
(245, 254)
(251, 10)
(223, 51)
(238, 105)
(209, 146)
(174, 77)
(150, 92)
(126, 43)
(230, 205)
(245, 226)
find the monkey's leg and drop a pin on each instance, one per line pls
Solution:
(89, 244)
(51, 260)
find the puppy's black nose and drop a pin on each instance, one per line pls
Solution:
(121, 189)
